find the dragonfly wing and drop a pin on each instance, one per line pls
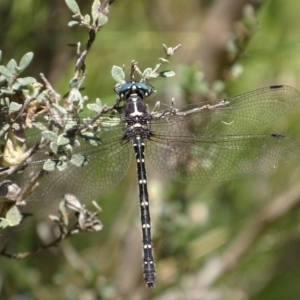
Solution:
(235, 115)
(218, 158)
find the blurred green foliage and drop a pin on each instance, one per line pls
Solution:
(191, 224)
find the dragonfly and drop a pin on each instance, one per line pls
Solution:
(199, 143)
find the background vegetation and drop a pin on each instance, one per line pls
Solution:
(237, 240)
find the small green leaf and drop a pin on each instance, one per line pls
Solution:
(73, 23)
(4, 71)
(62, 140)
(7, 91)
(49, 165)
(25, 61)
(76, 95)
(118, 74)
(35, 89)
(69, 149)
(167, 73)
(13, 107)
(3, 223)
(26, 81)
(72, 4)
(71, 125)
(60, 108)
(50, 135)
(95, 106)
(87, 19)
(95, 10)
(102, 20)
(163, 61)
(14, 216)
(41, 97)
(165, 47)
(11, 66)
(79, 160)
(39, 125)
(17, 86)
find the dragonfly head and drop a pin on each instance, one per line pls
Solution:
(127, 89)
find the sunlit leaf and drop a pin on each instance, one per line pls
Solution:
(168, 73)
(3, 223)
(49, 165)
(12, 154)
(4, 71)
(163, 61)
(95, 10)
(60, 108)
(26, 81)
(79, 160)
(62, 140)
(25, 61)
(14, 106)
(50, 135)
(95, 106)
(11, 66)
(118, 74)
(13, 216)
(72, 4)
(102, 20)
(73, 23)
(87, 19)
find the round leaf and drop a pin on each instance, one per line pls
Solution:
(95, 10)
(167, 73)
(49, 165)
(79, 160)
(73, 23)
(50, 136)
(14, 106)
(14, 216)
(72, 4)
(26, 81)
(118, 74)
(4, 71)
(25, 61)
(11, 66)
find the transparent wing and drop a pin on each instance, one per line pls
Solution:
(235, 115)
(88, 171)
(207, 159)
